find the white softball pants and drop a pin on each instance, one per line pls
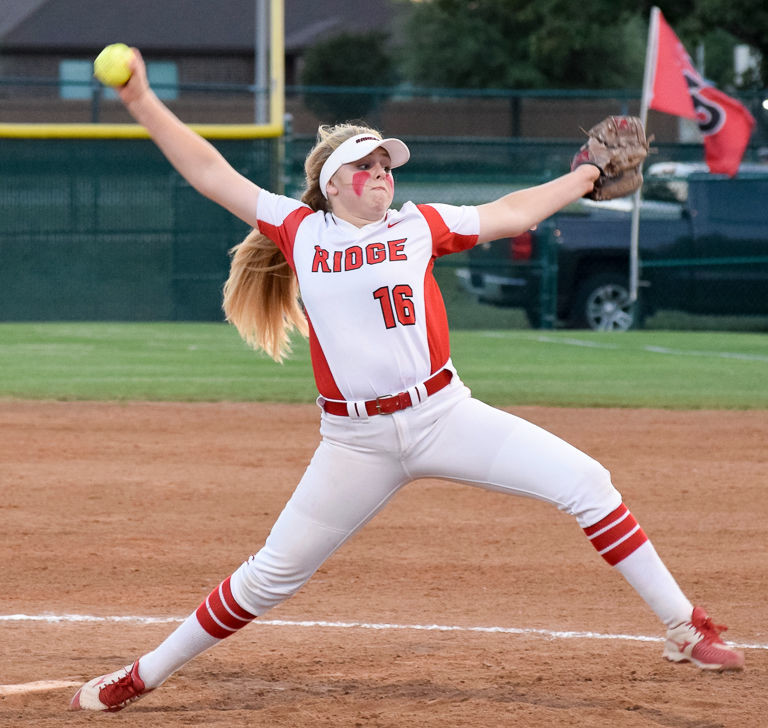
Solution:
(361, 463)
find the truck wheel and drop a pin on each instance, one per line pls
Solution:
(602, 304)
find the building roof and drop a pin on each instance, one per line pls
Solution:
(203, 26)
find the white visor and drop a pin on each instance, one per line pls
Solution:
(358, 147)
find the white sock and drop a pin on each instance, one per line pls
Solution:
(184, 643)
(651, 579)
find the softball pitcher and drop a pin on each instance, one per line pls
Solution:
(393, 407)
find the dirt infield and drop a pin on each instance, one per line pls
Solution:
(138, 510)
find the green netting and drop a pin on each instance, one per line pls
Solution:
(106, 230)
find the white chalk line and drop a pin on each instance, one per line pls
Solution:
(548, 633)
(39, 686)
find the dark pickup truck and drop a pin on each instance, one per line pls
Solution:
(703, 248)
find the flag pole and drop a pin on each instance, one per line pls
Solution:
(648, 75)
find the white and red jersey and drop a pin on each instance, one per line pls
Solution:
(376, 316)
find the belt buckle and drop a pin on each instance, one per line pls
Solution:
(392, 403)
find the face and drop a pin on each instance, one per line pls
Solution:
(364, 188)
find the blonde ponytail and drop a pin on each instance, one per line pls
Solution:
(261, 295)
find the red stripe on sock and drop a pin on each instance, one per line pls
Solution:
(222, 610)
(217, 618)
(616, 536)
(625, 548)
(614, 533)
(610, 518)
(232, 604)
(209, 625)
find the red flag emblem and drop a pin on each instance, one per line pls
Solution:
(679, 89)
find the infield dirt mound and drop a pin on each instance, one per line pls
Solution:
(139, 509)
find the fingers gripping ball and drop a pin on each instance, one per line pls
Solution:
(113, 65)
(617, 147)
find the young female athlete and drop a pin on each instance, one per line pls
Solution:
(393, 407)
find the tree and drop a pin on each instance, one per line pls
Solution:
(524, 44)
(566, 44)
(348, 59)
(575, 48)
(455, 43)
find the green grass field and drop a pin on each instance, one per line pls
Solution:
(208, 362)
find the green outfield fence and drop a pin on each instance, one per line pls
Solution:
(104, 229)
(94, 229)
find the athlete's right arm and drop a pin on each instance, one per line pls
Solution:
(196, 159)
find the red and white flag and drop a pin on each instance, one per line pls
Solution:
(679, 89)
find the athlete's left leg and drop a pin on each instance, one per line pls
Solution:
(480, 445)
(493, 449)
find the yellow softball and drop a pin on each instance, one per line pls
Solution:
(112, 65)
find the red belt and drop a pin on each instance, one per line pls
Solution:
(394, 402)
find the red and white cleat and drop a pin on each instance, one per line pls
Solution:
(698, 641)
(111, 692)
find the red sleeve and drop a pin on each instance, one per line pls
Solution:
(279, 219)
(444, 239)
